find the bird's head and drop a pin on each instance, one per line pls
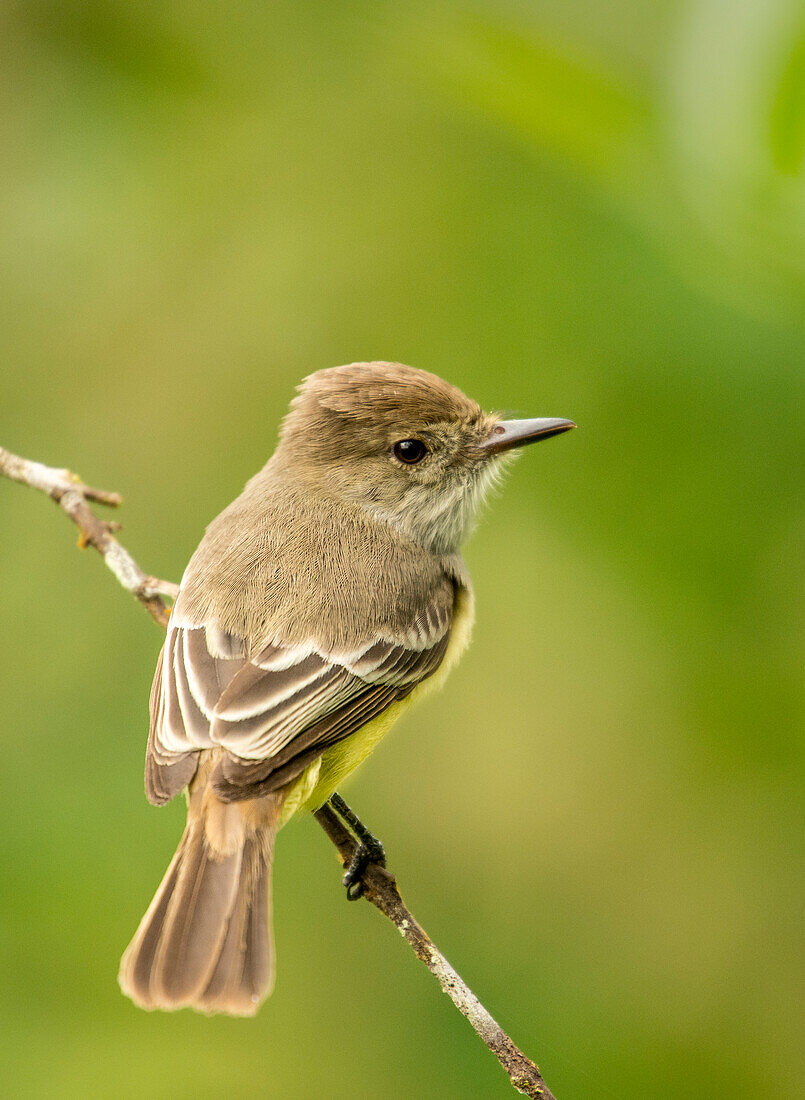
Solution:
(406, 446)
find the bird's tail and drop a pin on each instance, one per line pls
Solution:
(205, 941)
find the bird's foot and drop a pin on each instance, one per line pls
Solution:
(369, 849)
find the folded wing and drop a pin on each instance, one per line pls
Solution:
(273, 712)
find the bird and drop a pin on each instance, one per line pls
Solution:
(318, 606)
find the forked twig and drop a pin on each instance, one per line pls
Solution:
(71, 495)
(379, 885)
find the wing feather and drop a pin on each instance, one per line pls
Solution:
(262, 734)
(173, 735)
(274, 713)
(196, 723)
(235, 779)
(207, 676)
(255, 691)
(166, 773)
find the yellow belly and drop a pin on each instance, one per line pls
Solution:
(315, 785)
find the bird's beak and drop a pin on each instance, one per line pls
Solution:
(508, 434)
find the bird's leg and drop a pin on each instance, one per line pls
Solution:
(369, 849)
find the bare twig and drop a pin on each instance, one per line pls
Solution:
(380, 888)
(71, 495)
(379, 885)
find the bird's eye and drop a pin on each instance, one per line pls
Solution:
(410, 451)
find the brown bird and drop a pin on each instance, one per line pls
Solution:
(318, 605)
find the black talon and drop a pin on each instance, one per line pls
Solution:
(369, 849)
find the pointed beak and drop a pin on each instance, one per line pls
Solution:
(508, 434)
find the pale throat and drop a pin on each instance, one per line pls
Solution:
(440, 518)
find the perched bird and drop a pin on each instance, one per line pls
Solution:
(318, 605)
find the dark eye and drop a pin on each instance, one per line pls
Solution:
(410, 451)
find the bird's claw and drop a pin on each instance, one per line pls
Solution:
(369, 851)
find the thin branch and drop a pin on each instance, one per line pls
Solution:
(380, 888)
(379, 885)
(71, 495)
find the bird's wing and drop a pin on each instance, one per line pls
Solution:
(276, 711)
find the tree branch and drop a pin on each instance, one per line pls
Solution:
(71, 495)
(380, 888)
(379, 885)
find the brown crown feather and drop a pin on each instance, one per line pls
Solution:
(388, 393)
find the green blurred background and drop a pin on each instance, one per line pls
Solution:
(567, 208)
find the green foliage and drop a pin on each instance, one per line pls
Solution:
(593, 211)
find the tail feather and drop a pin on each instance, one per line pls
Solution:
(137, 962)
(205, 941)
(196, 920)
(244, 973)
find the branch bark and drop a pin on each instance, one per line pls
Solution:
(71, 494)
(380, 888)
